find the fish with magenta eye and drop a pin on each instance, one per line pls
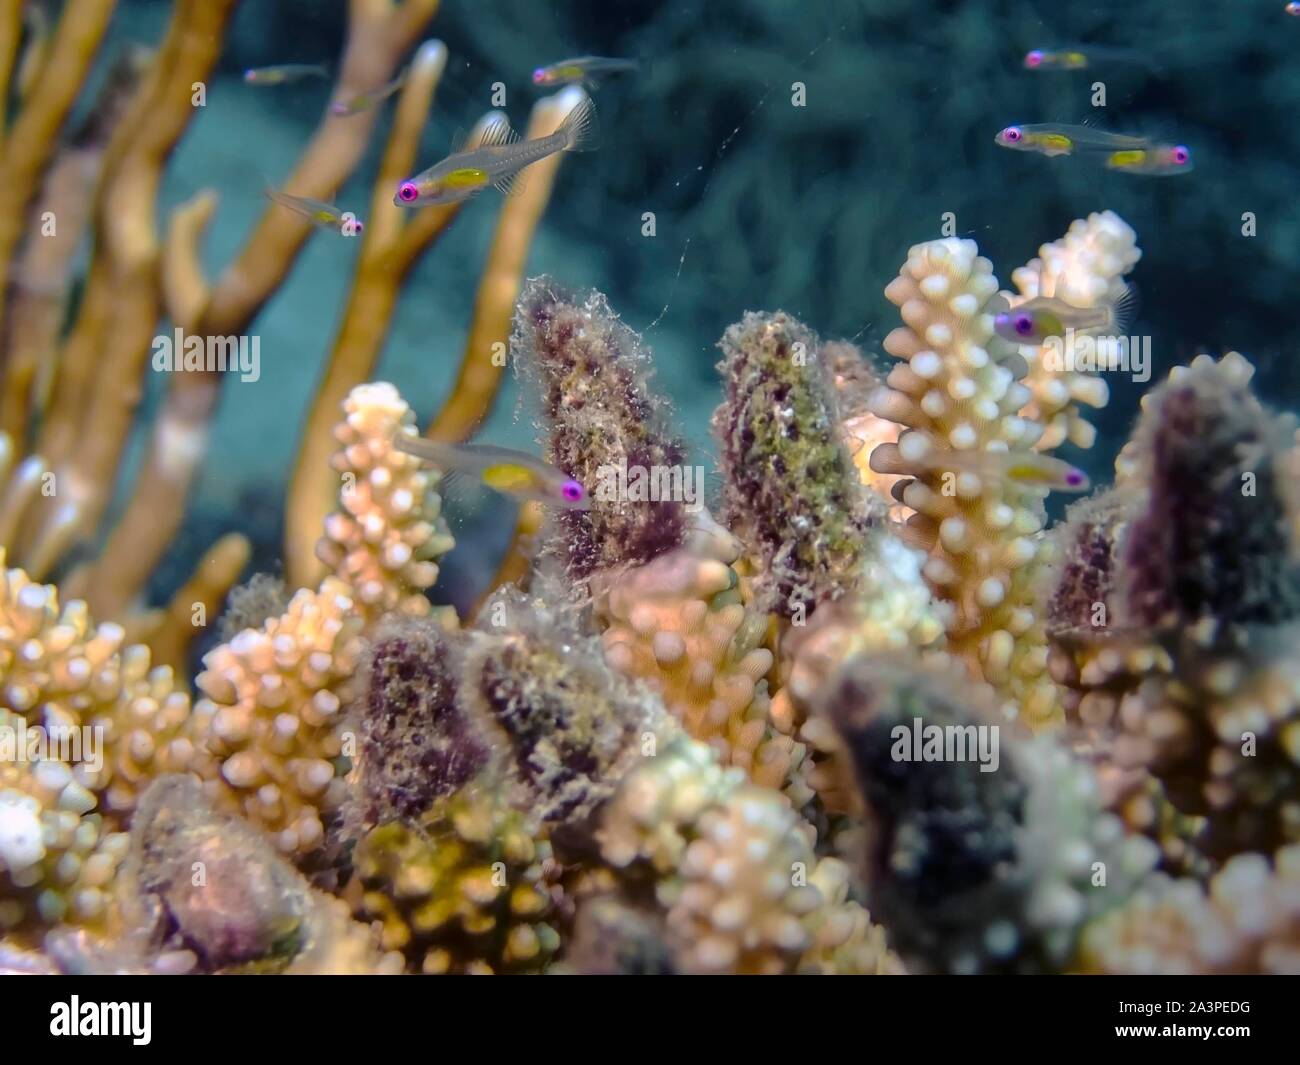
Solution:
(505, 470)
(497, 160)
(1035, 320)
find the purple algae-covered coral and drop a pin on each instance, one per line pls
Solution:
(1215, 537)
(603, 426)
(791, 491)
(413, 743)
(565, 725)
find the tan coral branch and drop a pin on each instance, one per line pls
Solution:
(379, 33)
(185, 288)
(198, 601)
(32, 140)
(384, 262)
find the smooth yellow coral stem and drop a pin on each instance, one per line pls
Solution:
(31, 142)
(124, 307)
(483, 361)
(386, 257)
(185, 288)
(379, 33)
(11, 31)
(197, 603)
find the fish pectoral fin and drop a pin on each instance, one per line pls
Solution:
(455, 487)
(513, 184)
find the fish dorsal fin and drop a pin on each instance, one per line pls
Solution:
(458, 140)
(513, 184)
(496, 133)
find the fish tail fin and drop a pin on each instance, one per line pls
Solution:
(579, 127)
(1123, 309)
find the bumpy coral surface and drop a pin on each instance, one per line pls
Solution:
(384, 539)
(957, 390)
(269, 730)
(679, 624)
(468, 889)
(1248, 921)
(835, 734)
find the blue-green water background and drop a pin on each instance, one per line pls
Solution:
(809, 209)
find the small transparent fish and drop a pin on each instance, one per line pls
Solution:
(496, 160)
(1154, 160)
(1033, 321)
(1031, 469)
(284, 73)
(587, 69)
(1053, 139)
(1293, 8)
(325, 215)
(1083, 56)
(505, 470)
(363, 101)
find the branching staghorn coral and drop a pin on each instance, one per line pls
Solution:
(1247, 921)
(60, 671)
(1085, 269)
(269, 730)
(383, 539)
(732, 867)
(57, 856)
(461, 768)
(957, 390)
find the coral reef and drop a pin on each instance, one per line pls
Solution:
(663, 743)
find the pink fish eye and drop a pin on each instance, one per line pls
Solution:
(539, 76)
(1034, 59)
(407, 192)
(1022, 324)
(1012, 133)
(1074, 478)
(572, 491)
(1181, 155)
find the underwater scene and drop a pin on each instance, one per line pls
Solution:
(649, 487)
